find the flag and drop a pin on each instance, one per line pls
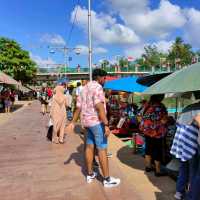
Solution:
(130, 58)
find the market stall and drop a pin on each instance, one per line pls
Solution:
(184, 81)
(122, 108)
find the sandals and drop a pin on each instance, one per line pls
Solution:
(55, 140)
(61, 142)
(149, 169)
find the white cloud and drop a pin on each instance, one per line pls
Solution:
(83, 49)
(132, 5)
(192, 28)
(147, 22)
(42, 62)
(163, 46)
(159, 22)
(138, 50)
(96, 50)
(140, 24)
(135, 51)
(100, 50)
(53, 39)
(105, 28)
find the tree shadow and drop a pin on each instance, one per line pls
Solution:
(165, 184)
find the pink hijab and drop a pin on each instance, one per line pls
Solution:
(59, 95)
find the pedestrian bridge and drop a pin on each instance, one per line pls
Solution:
(52, 74)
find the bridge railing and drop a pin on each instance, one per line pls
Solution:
(108, 69)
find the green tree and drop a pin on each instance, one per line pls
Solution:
(105, 64)
(152, 56)
(15, 61)
(123, 62)
(180, 53)
(197, 52)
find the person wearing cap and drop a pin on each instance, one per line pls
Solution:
(91, 107)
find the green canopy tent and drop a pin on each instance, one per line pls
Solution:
(184, 80)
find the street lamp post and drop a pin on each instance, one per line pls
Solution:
(65, 50)
(90, 40)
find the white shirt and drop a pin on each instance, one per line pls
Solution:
(78, 90)
(69, 99)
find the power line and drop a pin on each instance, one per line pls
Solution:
(73, 23)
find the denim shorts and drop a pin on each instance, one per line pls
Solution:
(96, 136)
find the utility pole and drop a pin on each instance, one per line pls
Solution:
(65, 51)
(89, 39)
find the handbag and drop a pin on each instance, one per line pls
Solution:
(50, 133)
(50, 123)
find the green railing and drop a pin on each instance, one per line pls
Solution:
(108, 69)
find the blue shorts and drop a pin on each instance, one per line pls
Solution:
(96, 136)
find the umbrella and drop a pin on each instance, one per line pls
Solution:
(4, 78)
(184, 80)
(151, 79)
(126, 84)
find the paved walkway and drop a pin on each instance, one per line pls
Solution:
(17, 106)
(32, 168)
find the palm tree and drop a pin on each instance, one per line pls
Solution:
(180, 53)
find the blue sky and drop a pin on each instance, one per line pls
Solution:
(119, 27)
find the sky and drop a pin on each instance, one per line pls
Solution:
(119, 27)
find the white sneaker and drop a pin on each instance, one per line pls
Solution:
(111, 182)
(178, 196)
(109, 155)
(89, 178)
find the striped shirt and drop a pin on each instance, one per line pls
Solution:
(185, 143)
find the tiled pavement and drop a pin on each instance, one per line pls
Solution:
(32, 168)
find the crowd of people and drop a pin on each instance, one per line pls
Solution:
(92, 106)
(87, 102)
(154, 123)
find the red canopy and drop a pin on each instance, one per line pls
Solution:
(110, 78)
